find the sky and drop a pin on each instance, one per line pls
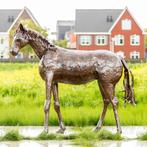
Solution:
(47, 12)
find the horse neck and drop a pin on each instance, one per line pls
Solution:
(38, 48)
(39, 43)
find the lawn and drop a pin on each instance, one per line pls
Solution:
(22, 95)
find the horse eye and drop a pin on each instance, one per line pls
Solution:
(18, 40)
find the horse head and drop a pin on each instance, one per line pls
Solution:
(20, 40)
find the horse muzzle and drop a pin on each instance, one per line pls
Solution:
(14, 52)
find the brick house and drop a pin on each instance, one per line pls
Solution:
(10, 19)
(109, 29)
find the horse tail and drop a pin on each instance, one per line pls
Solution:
(128, 84)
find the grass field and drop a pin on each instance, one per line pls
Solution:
(22, 95)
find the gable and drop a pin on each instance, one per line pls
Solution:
(7, 17)
(95, 20)
(24, 15)
(126, 16)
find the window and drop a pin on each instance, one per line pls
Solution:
(135, 40)
(1, 55)
(85, 40)
(135, 55)
(126, 24)
(109, 19)
(2, 41)
(119, 40)
(10, 19)
(32, 56)
(101, 40)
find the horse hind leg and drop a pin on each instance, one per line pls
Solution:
(108, 93)
(106, 103)
(114, 102)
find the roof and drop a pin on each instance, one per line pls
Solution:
(65, 23)
(95, 20)
(5, 15)
(32, 16)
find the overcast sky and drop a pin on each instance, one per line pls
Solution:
(47, 12)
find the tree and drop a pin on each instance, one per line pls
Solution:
(61, 43)
(28, 23)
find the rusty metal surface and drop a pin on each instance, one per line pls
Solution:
(59, 65)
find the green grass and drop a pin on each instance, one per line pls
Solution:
(82, 137)
(46, 136)
(22, 95)
(87, 134)
(12, 135)
(106, 135)
(52, 136)
(143, 136)
(88, 138)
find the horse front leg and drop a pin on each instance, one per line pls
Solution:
(57, 107)
(48, 84)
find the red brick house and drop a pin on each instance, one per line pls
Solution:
(109, 29)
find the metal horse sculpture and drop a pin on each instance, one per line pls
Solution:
(59, 65)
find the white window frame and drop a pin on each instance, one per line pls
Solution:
(85, 40)
(103, 40)
(136, 39)
(118, 38)
(135, 55)
(126, 24)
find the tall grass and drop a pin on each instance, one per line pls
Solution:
(88, 138)
(22, 95)
(84, 135)
(12, 135)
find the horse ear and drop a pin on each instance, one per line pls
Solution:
(21, 27)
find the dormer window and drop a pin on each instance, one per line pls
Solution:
(126, 24)
(109, 19)
(10, 18)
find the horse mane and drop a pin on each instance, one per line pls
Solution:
(35, 36)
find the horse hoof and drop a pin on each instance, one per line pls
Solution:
(61, 130)
(96, 129)
(45, 130)
(119, 131)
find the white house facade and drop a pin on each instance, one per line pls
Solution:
(4, 45)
